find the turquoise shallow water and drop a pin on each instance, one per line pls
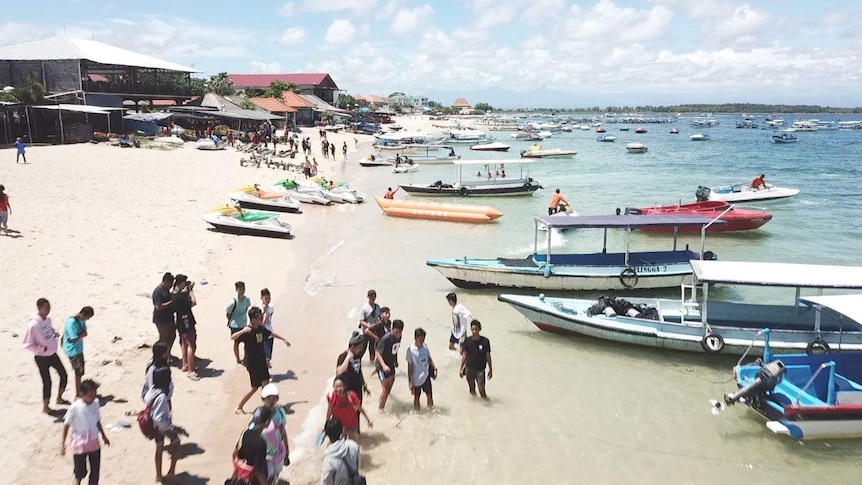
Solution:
(578, 410)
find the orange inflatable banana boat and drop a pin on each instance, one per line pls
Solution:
(438, 212)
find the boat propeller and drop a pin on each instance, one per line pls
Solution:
(767, 378)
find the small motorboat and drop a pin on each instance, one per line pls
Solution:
(290, 188)
(585, 127)
(607, 137)
(640, 129)
(636, 148)
(624, 128)
(438, 212)
(491, 147)
(212, 143)
(674, 131)
(408, 167)
(170, 140)
(372, 160)
(526, 136)
(538, 151)
(744, 193)
(233, 219)
(784, 138)
(254, 197)
(734, 219)
(601, 129)
(699, 137)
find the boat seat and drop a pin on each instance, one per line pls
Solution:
(518, 263)
(849, 397)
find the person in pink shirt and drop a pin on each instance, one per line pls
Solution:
(42, 340)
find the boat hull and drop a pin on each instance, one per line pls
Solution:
(744, 193)
(480, 191)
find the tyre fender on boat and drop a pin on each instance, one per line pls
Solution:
(463, 191)
(814, 345)
(712, 343)
(629, 278)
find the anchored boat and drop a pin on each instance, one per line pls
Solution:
(735, 219)
(496, 183)
(583, 271)
(693, 323)
(744, 193)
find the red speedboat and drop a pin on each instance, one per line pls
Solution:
(734, 220)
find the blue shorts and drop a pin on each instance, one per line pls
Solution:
(426, 386)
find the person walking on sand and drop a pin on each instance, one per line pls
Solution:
(236, 315)
(461, 318)
(250, 452)
(160, 359)
(332, 150)
(369, 317)
(183, 300)
(42, 340)
(475, 355)
(420, 369)
(74, 331)
(554, 204)
(5, 210)
(345, 406)
(160, 412)
(275, 435)
(387, 360)
(344, 150)
(21, 151)
(85, 421)
(268, 309)
(163, 314)
(253, 336)
(341, 461)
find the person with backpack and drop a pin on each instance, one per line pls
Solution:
(158, 411)
(275, 434)
(84, 419)
(74, 330)
(249, 454)
(341, 460)
(160, 359)
(236, 315)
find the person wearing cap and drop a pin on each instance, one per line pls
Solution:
(254, 336)
(349, 367)
(251, 447)
(277, 448)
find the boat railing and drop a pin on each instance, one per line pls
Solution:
(704, 228)
(765, 333)
(830, 388)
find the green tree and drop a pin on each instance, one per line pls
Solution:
(198, 86)
(484, 107)
(276, 89)
(346, 101)
(396, 94)
(221, 84)
(434, 105)
(29, 92)
(246, 104)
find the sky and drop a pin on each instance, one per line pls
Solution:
(509, 53)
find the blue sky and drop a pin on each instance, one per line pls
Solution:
(511, 53)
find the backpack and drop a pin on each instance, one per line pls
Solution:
(145, 422)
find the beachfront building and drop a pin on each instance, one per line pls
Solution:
(276, 107)
(372, 100)
(317, 84)
(305, 114)
(462, 106)
(413, 102)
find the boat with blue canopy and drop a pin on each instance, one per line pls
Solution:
(694, 323)
(585, 271)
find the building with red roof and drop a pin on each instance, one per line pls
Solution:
(318, 84)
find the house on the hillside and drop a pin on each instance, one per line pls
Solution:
(317, 84)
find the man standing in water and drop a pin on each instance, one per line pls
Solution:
(369, 317)
(461, 318)
(420, 369)
(475, 355)
(387, 360)
(554, 205)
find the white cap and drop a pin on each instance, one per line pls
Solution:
(269, 390)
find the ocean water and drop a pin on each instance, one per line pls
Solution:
(579, 410)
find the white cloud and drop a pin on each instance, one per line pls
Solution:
(410, 20)
(258, 67)
(292, 36)
(743, 21)
(608, 21)
(340, 32)
(357, 7)
(288, 9)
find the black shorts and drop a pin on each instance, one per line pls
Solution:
(417, 390)
(77, 363)
(257, 376)
(477, 375)
(235, 330)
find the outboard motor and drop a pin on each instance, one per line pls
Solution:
(702, 193)
(767, 378)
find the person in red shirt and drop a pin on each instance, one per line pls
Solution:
(230, 137)
(758, 182)
(345, 406)
(554, 205)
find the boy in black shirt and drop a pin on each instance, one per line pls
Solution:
(386, 360)
(254, 336)
(475, 355)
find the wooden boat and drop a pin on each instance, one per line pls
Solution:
(735, 219)
(496, 183)
(438, 212)
(695, 323)
(582, 271)
(812, 395)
